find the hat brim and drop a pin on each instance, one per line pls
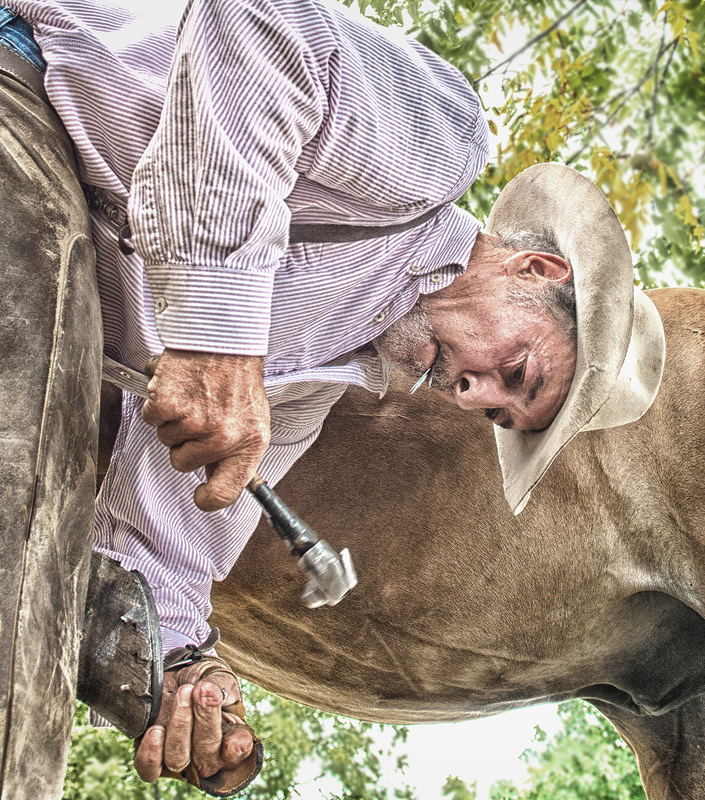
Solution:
(620, 340)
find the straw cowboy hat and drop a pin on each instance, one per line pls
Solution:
(621, 344)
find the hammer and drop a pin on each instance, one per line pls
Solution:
(331, 575)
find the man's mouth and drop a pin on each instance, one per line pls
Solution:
(491, 413)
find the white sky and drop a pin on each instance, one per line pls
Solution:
(483, 750)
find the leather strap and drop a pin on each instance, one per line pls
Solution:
(116, 213)
(19, 68)
(191, 653)
(317, 233)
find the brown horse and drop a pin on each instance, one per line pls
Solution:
(597, 590)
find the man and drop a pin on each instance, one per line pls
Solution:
(239, 143)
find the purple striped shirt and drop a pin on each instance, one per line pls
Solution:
(250, 116)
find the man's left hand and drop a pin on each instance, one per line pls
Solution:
(197, 735)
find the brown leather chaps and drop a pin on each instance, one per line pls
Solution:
(50, 351)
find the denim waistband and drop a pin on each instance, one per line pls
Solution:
(16, 34)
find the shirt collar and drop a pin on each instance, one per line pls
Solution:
(448, 246)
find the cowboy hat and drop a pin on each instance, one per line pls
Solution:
(620, 339)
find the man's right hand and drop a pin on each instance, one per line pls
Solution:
(210, 410)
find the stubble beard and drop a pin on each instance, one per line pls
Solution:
(403, 338)
(398, 342)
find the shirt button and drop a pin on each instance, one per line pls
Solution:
(160, 305)
(415, 268)
(381, 316)
(436, 277)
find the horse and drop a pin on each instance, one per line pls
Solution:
(595, 591)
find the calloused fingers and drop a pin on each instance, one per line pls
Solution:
(177, 744)
(197, 451)
(156, 411)
(237, 743)
(216, 445)
(226, 481)
(150, 754)
(177, 431)
(207, 729)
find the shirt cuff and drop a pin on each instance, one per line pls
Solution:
(172, 639)
(212, 311)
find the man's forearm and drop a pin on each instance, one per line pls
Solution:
(207, 204)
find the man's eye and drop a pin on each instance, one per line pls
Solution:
(516, 377)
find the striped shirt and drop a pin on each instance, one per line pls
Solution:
(221, 131)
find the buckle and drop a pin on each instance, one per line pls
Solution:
(190, 653)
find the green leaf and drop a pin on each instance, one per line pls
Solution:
(634, 20)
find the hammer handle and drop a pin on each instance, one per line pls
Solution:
(290, 528)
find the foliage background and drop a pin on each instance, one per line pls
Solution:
(615, 89)
(584, 760)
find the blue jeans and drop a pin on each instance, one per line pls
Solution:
(16, 34)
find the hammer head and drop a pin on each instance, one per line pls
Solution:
(330, 575)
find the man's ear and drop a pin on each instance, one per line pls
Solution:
(533, 265)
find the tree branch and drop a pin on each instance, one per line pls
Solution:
(531, 42)
(608, 27)
(628, 92)
(637, 86)
(668, 63)
(576, 155)
(654, 94)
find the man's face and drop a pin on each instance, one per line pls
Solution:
(510, 360)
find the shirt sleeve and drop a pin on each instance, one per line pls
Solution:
(207, 207)
(146, 519)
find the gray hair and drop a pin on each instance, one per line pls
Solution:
(555, 299)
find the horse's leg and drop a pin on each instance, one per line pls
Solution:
(50, 346)
(655, 693)
(669, 748)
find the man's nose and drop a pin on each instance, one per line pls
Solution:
(480, 390)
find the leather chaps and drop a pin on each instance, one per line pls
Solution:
(50, 366)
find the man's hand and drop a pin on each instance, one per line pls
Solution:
(210, 410)
(198, 732)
